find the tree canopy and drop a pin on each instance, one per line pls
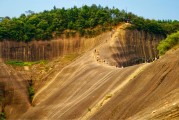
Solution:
(162, 27)
(86, 20)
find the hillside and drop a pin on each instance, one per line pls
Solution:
(152, 94)
(101, 84)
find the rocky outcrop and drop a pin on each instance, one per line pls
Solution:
(128, 48)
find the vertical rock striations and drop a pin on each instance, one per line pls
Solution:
(131, 47)
(127, 48)
(14, 99)
(47, 50)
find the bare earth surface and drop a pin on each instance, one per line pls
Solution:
(14, 99)
(93, 87)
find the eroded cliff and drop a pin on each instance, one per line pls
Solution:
(128, 47)
(14, 98)
(47, 50)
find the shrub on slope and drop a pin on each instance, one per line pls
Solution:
(168, 43)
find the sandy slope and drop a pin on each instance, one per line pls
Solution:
(153, 94)
(92, 88)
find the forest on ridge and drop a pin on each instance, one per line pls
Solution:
(87, 21)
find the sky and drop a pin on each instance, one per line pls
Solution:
(152, 9)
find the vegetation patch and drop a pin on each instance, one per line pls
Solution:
(2, 116)
(160, 27)
(21, 63)
(31, 93)
(171, 41)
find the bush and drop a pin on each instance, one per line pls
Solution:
(2, 116)
(168, 43)
(20, 63)
(31, 93)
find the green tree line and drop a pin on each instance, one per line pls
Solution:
(86, 20)
(162, 27)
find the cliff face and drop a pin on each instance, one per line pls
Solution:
(14, 99)
(139, 47)
(130, 47)
(47, 50)
(127, 48)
